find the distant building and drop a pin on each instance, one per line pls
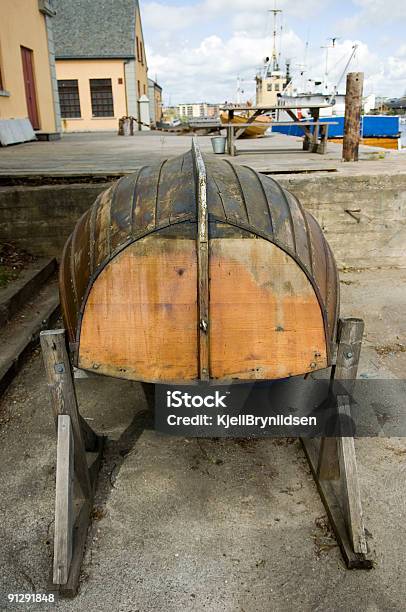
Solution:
(100, 63)
(198, 110)
(155, 102)
(27, 64)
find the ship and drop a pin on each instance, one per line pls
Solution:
(275, 86)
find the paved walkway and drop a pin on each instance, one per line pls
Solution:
(107, 153)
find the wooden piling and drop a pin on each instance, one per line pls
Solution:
(353, 104)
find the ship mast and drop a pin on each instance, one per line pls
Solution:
(274, 57)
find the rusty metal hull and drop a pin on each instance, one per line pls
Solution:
(166, 198)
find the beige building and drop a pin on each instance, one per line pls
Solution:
(100, 64)
(27, 66)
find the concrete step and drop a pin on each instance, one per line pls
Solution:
(28, 283)
(21, 334)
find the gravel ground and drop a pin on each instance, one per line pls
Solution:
(219, 525)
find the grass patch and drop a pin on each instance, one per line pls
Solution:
(12, 261)
(6, 276)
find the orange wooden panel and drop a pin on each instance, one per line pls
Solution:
(140, 320)
(265, 319)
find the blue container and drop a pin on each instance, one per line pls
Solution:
(372, 126)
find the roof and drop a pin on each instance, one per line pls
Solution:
(152, 83)
(94, 28)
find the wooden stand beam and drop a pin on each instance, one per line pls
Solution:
(79, 452)
(63, 501)
(333, 461)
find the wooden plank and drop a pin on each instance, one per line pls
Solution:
(141, 319)
(270, 107)
(334, 511)
(353, 104)
(328, 466)
(63, 501)
(203, 263)
(349, 479)
(79, 543)
(350, 333)
(276, 123)
(266, 321)
(60, 381)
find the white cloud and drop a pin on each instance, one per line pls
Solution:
(379, 11)
(240, 14)
(204, 67)
(209, 70)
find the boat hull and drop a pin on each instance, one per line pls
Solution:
(256, 131)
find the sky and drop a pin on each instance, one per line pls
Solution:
(198, 48)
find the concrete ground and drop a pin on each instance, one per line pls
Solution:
(105, 152)
(217, 525)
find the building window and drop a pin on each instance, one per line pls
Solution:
(277, 86)
(269, 87)
(141, 54)
(145, 90)
(69, 98)
(101, 94)
(139, 89)
(138, 48)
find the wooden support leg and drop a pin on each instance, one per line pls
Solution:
(333, 461)
(306, 140)
(322, 146)
(230, 141)
(74, 463)
(63, 501)
(315, 139)
(350, 485)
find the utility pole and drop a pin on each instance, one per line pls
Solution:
(353, 104)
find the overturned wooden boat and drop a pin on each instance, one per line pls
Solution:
(254, 131)
(195, 268)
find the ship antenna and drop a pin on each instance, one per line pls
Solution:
(274, 12)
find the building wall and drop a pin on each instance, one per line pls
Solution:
(158, 103)
(155, 102)
(131, 87)
(22, 24)
(83, 71)
(141, 60)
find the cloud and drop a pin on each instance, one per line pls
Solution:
(208, 71)
(381, 11)
(237, 13)
(198, 50)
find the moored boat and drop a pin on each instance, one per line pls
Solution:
(254, 131)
